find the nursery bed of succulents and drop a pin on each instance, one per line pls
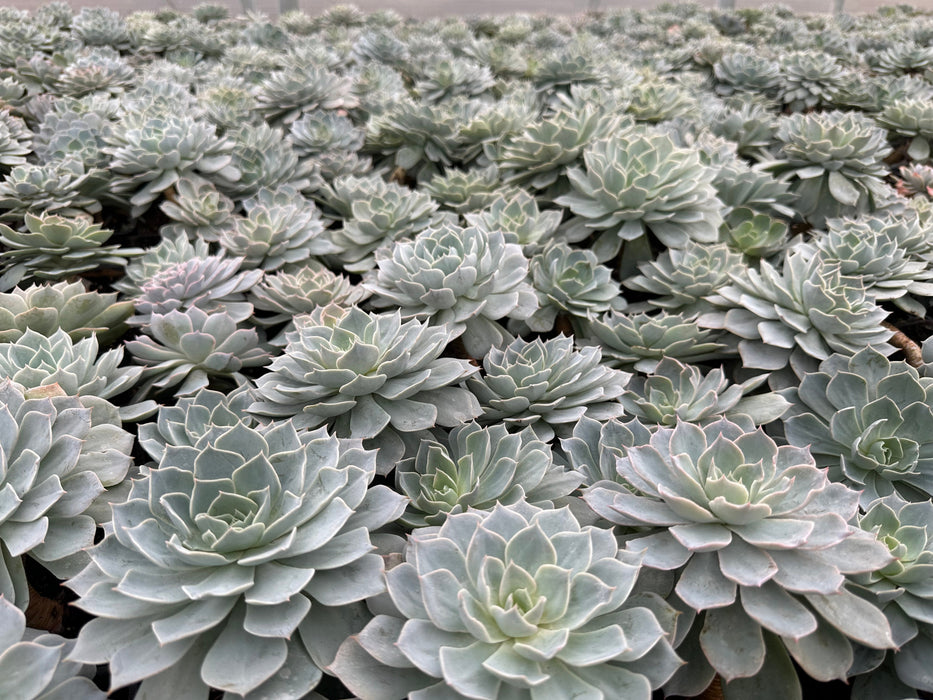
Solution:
(526, 357)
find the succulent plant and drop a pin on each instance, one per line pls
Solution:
(59, 454)
(746, 73)
(656, 101)
(869, 421)
(319, 132)
(807, 309)
(263, 158)
(276, 231)
(570, 282)
(200, 210)
(284, 95)
(911, 118)
(367, 376)
(519, 219)
(96, 71)
(416, 137)
(53, 247)
(453, 76)
(228, 106)
(35, 360)
(808, 79)
(639, 181)
(376, 213)
(258, 541)
(475, 468)
(539, 155)
(914, 180)
(640, 341)
(749, 125)
(836, 160)
(595, 446)
(524, 603)
(190, 347)
(191, 418)
(904, 58)
(211, 283)
(754, 234)
(869, 250)
(70, 306)
(151, 153)
(462, 278)
(902, 587)
(172, 249)
(546, 385)
(760, 543)
(467, 191)
(33, 666)
(62, 187)
(99, 26)
(71, 135)
(683, 278)
(739, 186)
(300, 290)
(676, 392)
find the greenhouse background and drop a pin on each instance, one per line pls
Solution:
(430, 8)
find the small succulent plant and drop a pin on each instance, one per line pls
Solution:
(682, 278)
(62, 187)
(189, 347)
(760, 543)
(257, 541)
(914, 180)
(284, 95)
(70, 306)
(200, 210)
(594, 447)
(59, 454)
(836, 160)
(546, 385)
(910, 118)
(640, 341)
(367, 376)
(466, 279)
(869, 420)
(569, 282)
(212, 283)
(676, 392)
(54, 247)
(519, 219)
(521, 597)
(636, 182)
(33, 666)
(475, 468)
(807, 309)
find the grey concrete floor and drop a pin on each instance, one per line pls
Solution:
(434, 8)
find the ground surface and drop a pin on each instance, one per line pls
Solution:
(428, 8)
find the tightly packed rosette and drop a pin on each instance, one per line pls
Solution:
(517, 602)
(231, 564)
(760, 543)
(57, 455)
(368, 376)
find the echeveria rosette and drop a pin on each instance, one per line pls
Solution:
(681, 278)
(517, 602)
(910, 118)
(232, 564)
(870, 421)
(760, 543)
(570, 282)
(676, 392)
(212, 283)
(519, 219)
(475, 468)
(58, 455)
(191, 347)
(367, 376)
(594, 447)
(905, 593)
(836, 160)
(807, 310)
(547, 385)
(636, 182)
(33, 666)
(67, 305)
(464, 278)
(641, 341)
(76, 367)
